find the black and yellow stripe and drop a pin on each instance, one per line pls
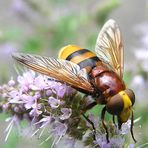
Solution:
(83, 57)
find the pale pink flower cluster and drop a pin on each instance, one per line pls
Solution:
(56, 108)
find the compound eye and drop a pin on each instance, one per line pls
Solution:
(131, 95)
(115, 105)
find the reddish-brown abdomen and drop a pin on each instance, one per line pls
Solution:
(106, 81)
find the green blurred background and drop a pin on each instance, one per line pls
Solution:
(43, 27)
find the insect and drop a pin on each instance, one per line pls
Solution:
(99, 74)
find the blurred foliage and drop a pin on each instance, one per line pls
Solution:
(32, 44)
(105, 9)
(11, 34)
(49, 31)
(127, 76)
(64, 31)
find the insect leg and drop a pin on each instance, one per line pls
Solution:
(87, 107)
(114, 121)
(92, 124)
(103, 123)
(131, 128)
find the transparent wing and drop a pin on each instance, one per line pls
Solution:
(61, 70)
(109, 47)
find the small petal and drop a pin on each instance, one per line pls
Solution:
(14, 94)
(39, 83)
(94, 120)
(101, 141)
(34, 112)
(131, 146)
(66, 113)
(70, 90)
(28, 101)
(44, 121)
(117, 142)
(4, 95)
(37, 95)
(60, 129)
(1, 88)
(5, 106)
(48, 92)
(33, 87)
(70, 142)
(54, 103)
(60, 90)
(11, 83)
(24, 88)
(125, 129)
(26, 80)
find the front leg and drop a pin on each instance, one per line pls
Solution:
(89, 103)
(92, 124)
(114, 122)
(104, 124)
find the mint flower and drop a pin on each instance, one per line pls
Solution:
(56, 108)
(66, 113)
(53, 102)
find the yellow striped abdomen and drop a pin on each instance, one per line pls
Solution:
(83, 57)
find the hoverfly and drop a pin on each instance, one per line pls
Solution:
(98, 74)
